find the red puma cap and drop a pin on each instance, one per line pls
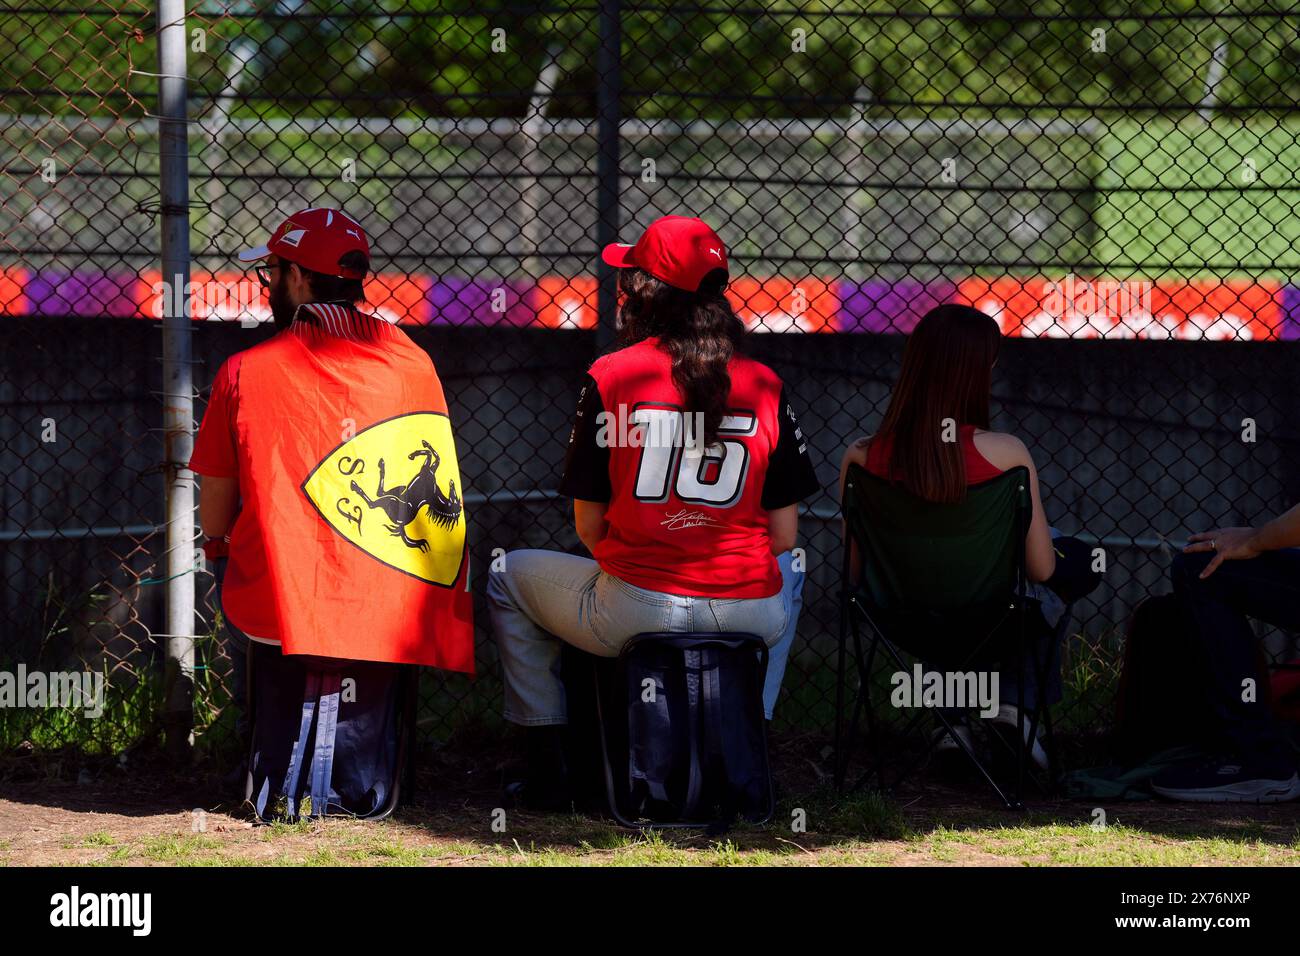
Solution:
(316, 239)
(680, 250)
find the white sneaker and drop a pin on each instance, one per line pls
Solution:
(944, 742)
(1228, 780)
(1008, 718)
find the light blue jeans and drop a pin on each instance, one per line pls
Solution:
(779, 653)
(539, 596)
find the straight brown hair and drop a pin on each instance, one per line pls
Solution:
(945, 383)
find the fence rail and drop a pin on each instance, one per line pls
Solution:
(863, 162)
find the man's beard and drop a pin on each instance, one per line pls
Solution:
(282, 310)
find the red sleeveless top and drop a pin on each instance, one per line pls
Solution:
(978, 468)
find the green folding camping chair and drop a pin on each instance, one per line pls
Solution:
(945, 583)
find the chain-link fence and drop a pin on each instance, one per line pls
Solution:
(1117, 185)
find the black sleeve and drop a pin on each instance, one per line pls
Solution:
(790, 475)
(586, 466)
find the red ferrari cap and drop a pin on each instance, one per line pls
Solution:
(316, 239)
(680, 250)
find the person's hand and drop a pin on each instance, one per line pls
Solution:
(1228, 544)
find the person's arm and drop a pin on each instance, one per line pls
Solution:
(1242, 544)
(855, 454)
(790, 478)
(1040, 554)
(218, 505)
(783, 526)
(215, 456)
(589, 521)
(586, 469)
(1282, 532)
(1007, 452)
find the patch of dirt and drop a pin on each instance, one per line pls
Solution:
(74, 811)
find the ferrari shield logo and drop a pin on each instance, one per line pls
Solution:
(392, 490)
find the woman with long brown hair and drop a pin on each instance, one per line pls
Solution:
(935, 441)
(686, 467)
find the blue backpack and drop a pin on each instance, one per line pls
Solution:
(681, 731)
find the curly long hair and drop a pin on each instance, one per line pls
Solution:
(699, 330)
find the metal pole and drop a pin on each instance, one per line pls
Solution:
(609, 73)
(1213, 77)
(177, 385)
(531, 133)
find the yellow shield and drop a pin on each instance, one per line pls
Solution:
(394, 491)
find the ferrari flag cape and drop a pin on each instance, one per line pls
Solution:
(354, 474)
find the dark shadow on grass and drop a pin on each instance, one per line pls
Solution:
(457, 797)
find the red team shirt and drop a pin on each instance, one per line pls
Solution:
(681, 522)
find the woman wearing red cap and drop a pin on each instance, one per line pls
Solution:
(686, 467)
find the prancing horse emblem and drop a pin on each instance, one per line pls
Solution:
(402, 504)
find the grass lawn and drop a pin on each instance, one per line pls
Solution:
(55, 814)
(848, 834)
(1180, 194)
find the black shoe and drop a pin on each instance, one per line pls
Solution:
(545, 786)
(235, 780)
(1230, 780)
(538, 796)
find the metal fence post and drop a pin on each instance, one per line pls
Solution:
(178, 407)
(609, 73)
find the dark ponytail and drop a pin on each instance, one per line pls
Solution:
(699, 331)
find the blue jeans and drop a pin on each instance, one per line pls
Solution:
(779, 653)
(540, 598)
